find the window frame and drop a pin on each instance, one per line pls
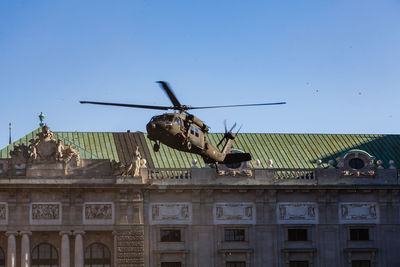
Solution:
(170, 229)
(298, 263)
(357, 231)
(166, 263)
(361, 262)
(235, 264)
(52, 262)
(234, 234)
(96, 261)
(295, 231)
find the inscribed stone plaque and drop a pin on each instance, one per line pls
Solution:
(171, 213)
(45, 213)
(98, 213)
(130, 248)
(358, 212)
(234, 213)
(297, 212)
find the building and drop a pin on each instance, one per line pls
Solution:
(106, 199)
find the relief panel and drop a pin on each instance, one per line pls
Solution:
(171, 213)
(3, 213)
(297, 212)
(358, 212)
(48, 213)
(234, 213)
(98, 213)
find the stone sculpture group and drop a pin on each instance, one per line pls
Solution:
(45, 149)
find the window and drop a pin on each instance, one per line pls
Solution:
(359, 234)
(297, 234)
(176, 120)
(234, 234)
(356, 163)
(44, 255)
(171, 264)
(298, 264)
(235, 264)
(361, 263)
(196, 132)
(191, 129)
(170, 235)
(2, 258)
(97, 255)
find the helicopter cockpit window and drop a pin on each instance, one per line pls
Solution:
(196, 132)
(176, 120)
(168, 117)
(191, 130)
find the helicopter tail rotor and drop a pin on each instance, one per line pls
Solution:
(227, 134)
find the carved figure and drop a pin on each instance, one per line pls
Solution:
(249, 212)
(19, 155)
(118, 168)
(59, 152)
(185, 212)
(282, 212)
(133, 169)
(3, 212)
(219, 212)
(137, 160)
(46, 134)
(45, 211)
(98, 211)
(70, 154)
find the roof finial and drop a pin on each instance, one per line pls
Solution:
(41, 118)
(9, 133)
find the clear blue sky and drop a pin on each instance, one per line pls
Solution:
(336, 63)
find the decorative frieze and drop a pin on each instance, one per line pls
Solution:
(234, 213)
(171, 213)
(358, 212)
(297, 212)
(3, 213)
(130, 248)
(45, 213)
(98, 213)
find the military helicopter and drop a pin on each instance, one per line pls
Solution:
(185, 132)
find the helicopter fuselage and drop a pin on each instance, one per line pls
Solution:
(185, 133)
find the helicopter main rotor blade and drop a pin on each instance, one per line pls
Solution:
(170, 94)
(127, 105)
(245, 105)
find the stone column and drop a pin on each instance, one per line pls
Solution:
(25, 249)
(65, 254)
(11, 249)
(79, 248)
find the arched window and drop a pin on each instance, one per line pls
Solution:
(97, 255)
(44, 255)
(2, 258)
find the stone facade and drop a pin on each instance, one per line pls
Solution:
(127, 216)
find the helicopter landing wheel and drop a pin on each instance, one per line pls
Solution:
(188, 145)
(156, 147)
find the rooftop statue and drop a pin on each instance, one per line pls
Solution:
(45, 149)
(133, 169)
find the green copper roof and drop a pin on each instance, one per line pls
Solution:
(286, 150)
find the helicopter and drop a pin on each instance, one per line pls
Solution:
(185, 132)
